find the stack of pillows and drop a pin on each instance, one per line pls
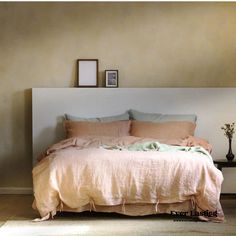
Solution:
(134, 123)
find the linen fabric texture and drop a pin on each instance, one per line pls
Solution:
(82, 128)
(124, 116)
(166, 130)
(78, 173)
(158, 117)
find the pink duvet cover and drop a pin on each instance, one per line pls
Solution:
(79, 174)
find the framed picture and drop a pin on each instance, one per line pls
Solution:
(111, 78)
(87, 72)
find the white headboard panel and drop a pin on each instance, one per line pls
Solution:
(213, 106)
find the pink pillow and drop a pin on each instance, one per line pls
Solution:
(166, 130)
(84, 128)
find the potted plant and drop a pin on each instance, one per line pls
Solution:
(229, 132)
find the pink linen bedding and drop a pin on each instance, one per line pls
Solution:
(79, 174)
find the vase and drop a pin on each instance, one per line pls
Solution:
(230, 155)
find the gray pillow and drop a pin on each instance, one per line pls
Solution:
(178, 117)
(158, 117)
(124, 116)
(143, 116)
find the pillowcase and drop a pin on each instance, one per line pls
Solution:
(76, 118)
(143, 116)
(177, 117)
(158, 117)
(166, 130)
(124, 116)
(84, 128)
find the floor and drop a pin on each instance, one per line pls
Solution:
(18, 207)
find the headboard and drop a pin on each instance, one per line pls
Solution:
(213, 106)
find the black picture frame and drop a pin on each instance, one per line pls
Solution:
(87, 72)
(112, 80)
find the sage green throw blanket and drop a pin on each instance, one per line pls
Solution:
(160, 147)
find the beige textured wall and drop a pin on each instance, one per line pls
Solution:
(151, 44)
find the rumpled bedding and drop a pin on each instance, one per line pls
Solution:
(160, 147)
(110, 172)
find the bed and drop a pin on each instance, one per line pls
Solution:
(148, 163)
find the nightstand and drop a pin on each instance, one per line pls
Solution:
(224, 163)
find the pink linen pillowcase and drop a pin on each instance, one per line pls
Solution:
(166, 130)
(84, 128)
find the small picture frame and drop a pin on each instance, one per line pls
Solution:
(87, 72)
(111, 78)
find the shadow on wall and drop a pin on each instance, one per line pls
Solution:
(55, 133)
(28, 121)
(15, 166)
(74, 72)
(101, 79)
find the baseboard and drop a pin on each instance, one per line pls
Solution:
(15, 190)
(228, 196)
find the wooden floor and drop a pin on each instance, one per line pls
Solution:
(18, 207)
